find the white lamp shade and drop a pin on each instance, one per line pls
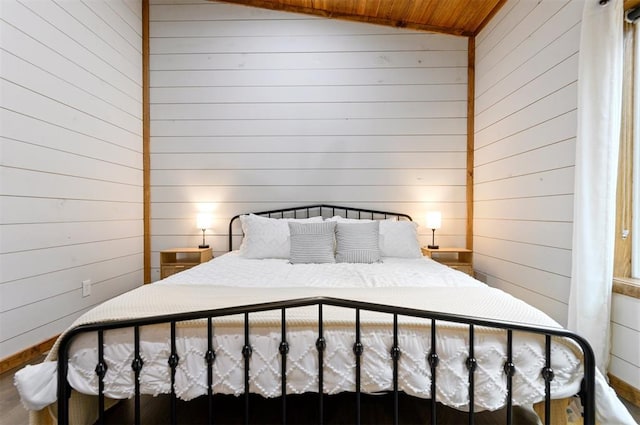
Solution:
(434, 219)
(203, 221)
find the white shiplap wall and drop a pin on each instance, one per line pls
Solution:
(625, 339)
(71, 161)
(525, 128)
(526, 103)
(254, 109)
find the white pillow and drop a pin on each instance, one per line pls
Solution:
(399, 239)
(268, 237)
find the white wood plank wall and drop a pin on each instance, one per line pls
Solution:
(625, 339)
(71, 161)
(526, 103)
(525, 129)
(254, 109)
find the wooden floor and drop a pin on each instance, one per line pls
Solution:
(303, 409)
(230, 410)
(11, 410)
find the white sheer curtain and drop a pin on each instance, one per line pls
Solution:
(596, 169)
(597, 146)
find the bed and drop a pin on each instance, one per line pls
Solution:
(321, 301)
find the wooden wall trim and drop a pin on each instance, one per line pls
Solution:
(471, 93)
(146, 143)
(626, 286)
(25, 356)
(625, 390)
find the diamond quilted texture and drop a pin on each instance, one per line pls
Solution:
(414, 373)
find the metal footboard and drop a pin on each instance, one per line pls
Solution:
(137, 365)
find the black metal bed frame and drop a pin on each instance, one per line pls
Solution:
(319, 210)
(587, 391)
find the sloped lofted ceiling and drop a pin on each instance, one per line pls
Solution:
(459, 17)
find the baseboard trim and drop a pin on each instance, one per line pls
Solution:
(27, 355)
(625, 390)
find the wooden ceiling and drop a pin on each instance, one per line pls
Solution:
(630, 4)
(459, 17)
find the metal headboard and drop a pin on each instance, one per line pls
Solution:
(320, 210)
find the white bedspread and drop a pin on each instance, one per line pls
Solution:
(230, 280)
(233, 270)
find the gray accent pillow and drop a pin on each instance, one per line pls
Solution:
(357, 242)
(312, 242)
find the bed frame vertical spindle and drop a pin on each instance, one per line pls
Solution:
(395, 355)
(433, 363)
(357, 350)
(210, 357)
(321, 344)
(284, 350)
(246, 353)
(547, 374)
(509, 370)
(64, 388)
(173, 364)
(471, 366)
(136, 366)
(101, 371)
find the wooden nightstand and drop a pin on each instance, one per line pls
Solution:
(178, 259)
(456, 258)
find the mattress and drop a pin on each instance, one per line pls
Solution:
(231, 280)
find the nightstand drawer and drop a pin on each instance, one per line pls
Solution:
(175, 260)
(166, 271)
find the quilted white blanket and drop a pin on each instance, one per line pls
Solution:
(417, 283)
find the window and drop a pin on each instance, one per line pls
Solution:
(627, 247)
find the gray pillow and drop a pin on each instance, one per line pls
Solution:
(357, 242)
(312, 242)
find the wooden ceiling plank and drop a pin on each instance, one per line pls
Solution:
(496, 8)
(297, 7)
(631, 4)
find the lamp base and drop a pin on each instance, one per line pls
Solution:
(433, 246)
(203, 246)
